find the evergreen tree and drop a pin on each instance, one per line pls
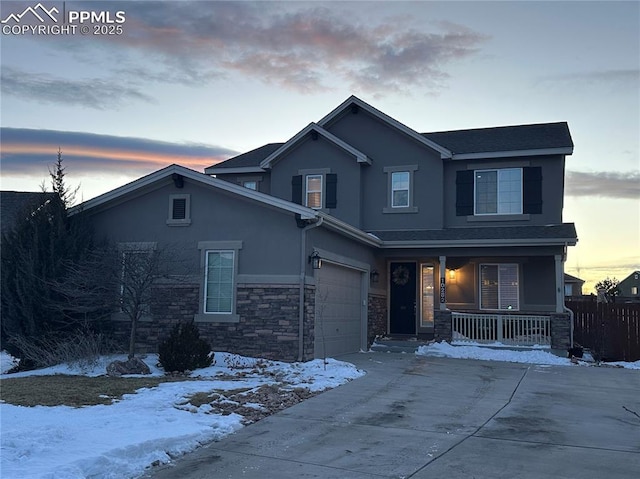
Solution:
(36, 253)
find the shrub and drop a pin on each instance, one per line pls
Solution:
(80, 347)
(184, 350)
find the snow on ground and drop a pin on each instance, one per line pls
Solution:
(503, 353)
(7, 362)
(121, 439)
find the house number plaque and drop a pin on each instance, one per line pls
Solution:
(442, 291)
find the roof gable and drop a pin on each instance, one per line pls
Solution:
(356, 102)
(312, 129)
(163, 174)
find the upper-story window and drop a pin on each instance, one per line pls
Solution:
(313, 191)
(498, 191)
(400, 189)
(252, 185)
(510, 192)
(315, 188)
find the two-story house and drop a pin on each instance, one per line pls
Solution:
(359, 226)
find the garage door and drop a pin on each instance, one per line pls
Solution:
(338, 326)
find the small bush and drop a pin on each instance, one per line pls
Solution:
(184, 350)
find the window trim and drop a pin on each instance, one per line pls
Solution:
(217, 317)
(186, 221)
(410, 208)
(498, 172)
(516, 307)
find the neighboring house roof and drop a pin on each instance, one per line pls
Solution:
(481, 236)
(318, 130)
(520, 140)
(12, 203)
(249, 160)
(572, 279)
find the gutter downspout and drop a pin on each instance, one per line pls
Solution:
(303, 272)
(564, 306)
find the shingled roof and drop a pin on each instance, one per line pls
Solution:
(249, 159)
(501, 139)
(505, 138)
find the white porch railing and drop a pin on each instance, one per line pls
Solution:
(508, 329)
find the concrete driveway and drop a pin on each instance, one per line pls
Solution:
(441, 418)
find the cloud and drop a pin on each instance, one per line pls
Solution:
(96, 93)
(604, 184)
(621, 78)
(298, 46)
(30, 151)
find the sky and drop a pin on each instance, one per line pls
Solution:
(154, 83)
(66, 442)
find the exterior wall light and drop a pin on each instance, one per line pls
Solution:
(315, 260)
(452, 275)
(375, 276)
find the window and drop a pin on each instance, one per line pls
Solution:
(498, 191)
(568, 290)
(218, 291)
(499, 286)
(634, 290)
(314, 191)
(400, 189)
(179, 210)
(252, 185)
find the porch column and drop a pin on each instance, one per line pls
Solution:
(559, 283)
(443, 291)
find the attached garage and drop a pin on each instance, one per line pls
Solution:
(340, 322)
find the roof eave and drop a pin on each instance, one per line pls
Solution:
(346, 229)
(504, 154)
(479, 243)
(212, 170)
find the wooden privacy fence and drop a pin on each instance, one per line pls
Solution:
(610, 330)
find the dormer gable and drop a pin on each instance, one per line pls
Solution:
(313, 131)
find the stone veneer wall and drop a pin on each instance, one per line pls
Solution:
(377, 318)
(268, 325)
(442, 326)
(560, 330)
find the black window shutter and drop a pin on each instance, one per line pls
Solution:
(332, 191)
(464, 192)
(532, 190)
(296, 189)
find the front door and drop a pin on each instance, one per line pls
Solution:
(402, 292)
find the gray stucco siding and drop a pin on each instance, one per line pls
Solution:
(215, 216)
(323, 156)
(388, 147)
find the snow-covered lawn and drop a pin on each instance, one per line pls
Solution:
(502, 353)
(120, 440)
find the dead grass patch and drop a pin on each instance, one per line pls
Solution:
(74, 391)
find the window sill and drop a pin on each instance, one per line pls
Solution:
(216, 318)
(178, 222)
(406, 209)
(484, 218)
